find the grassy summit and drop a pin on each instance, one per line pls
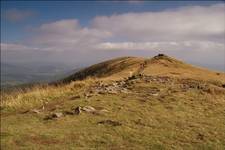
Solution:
(124, 103)
(159, 65)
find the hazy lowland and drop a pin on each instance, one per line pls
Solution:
(122, 103)
(15, 74)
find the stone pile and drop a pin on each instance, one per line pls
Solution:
(192, 84)
(160, 79)
(104, 88)
(123, 86)
(88, 109)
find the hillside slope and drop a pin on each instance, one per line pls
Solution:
(124, 103)
(159, 65)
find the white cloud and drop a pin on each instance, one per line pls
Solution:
(202, 25)
(203, 46)
(68, 35)
(191, 23)
(16, 47)
(194, 28)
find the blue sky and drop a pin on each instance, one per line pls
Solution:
(81, 31)
(48, 11)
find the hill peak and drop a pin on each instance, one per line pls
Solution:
(160, 56)
(160, 65)
(166, 59)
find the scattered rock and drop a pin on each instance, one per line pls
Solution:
(124, 90)
(77, 110)
(54, 115)
(112, 92)
(57, 115)
(103, 110)
(108, 88)
(88, 109)
(155, 94)
(110, 122)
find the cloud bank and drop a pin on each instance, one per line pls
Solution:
(185, 29)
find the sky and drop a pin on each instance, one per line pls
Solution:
(85, 32)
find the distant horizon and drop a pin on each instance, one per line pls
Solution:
(72, 66)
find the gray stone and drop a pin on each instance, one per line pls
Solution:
(36, 111)
(88, 109)
(54, 115)
(155, 94)
(103, 110)
(57, 115)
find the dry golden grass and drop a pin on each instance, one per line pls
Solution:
(115, 69)
(176, 118)
(165, 66)
(40, 95)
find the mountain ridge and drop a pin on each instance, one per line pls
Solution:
(161, 64)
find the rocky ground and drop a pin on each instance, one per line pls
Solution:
(129, 86)
(184, 109)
